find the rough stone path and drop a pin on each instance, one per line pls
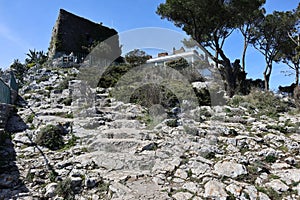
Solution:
(226, 154)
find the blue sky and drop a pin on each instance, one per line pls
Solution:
(28, 24)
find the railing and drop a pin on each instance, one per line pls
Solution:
(8, 91)
(5, 93)
(13, 83)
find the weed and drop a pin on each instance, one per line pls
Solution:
(64, 189)
(172, 123)
(270, 158)
(50, 136)
(30, 118)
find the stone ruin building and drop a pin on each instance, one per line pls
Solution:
(74, 36)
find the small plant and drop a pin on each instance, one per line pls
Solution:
(189, 173)
(30, 118)
(172, 123)
(283, 148)
(29, 176)
(278, 128)
(67, 101)
(50, 136)
(270, 159)
(103, 187)
(52, 175)
(64, 189)
(71, 142)
(273, 176)
(63, 85)
(69, 115)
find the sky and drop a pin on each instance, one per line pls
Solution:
(28, 25)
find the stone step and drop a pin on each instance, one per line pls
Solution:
(125, 123)
(124, 133)
(114, 145)
(129, 162)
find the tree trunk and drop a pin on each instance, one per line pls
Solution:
(297, 75)
(267, 79)
(244, 55)
(267, 74)
(228, 74)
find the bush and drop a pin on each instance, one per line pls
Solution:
(64, 189)
(266, 102)
(113, 73)
(172, 123)
(50, 136)
(63, 85)
(30, 118)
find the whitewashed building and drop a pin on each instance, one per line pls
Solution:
(190, 56)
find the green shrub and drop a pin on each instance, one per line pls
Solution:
(270, 158)
(266, 103)
(30, 118)
(172, 123)
(63, 84)
(113, 73)
(64, 189)
(50, 136)
(67, 101)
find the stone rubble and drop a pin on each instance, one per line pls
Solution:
(116, 156)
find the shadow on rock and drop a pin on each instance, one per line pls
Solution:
(11, 187)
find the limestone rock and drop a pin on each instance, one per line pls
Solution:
(182, 196)
(229, 169)
(277, 185)
(50, 190)
(215, 189)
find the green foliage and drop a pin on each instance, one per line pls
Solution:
(52, 175)
(66, 101)
(113, 73)
(64, 189)
(289, 51)
(71, 142)
(209, 23)
(152, 94)
(19, 70)
(178, 64)
(30, 118)
(137, 57)
(271, 158)
(35, 57)
(261, 103)
(172, 123)
(64, 84)
(282, 129)
(203, 96)
(186, 70)
(269, 36)
(4, 136)
(50, 136)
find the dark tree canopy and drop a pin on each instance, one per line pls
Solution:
(210, 22)
(137, 57)
(289, 52)
(269, 37)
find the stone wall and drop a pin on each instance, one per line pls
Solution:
(75, 34)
